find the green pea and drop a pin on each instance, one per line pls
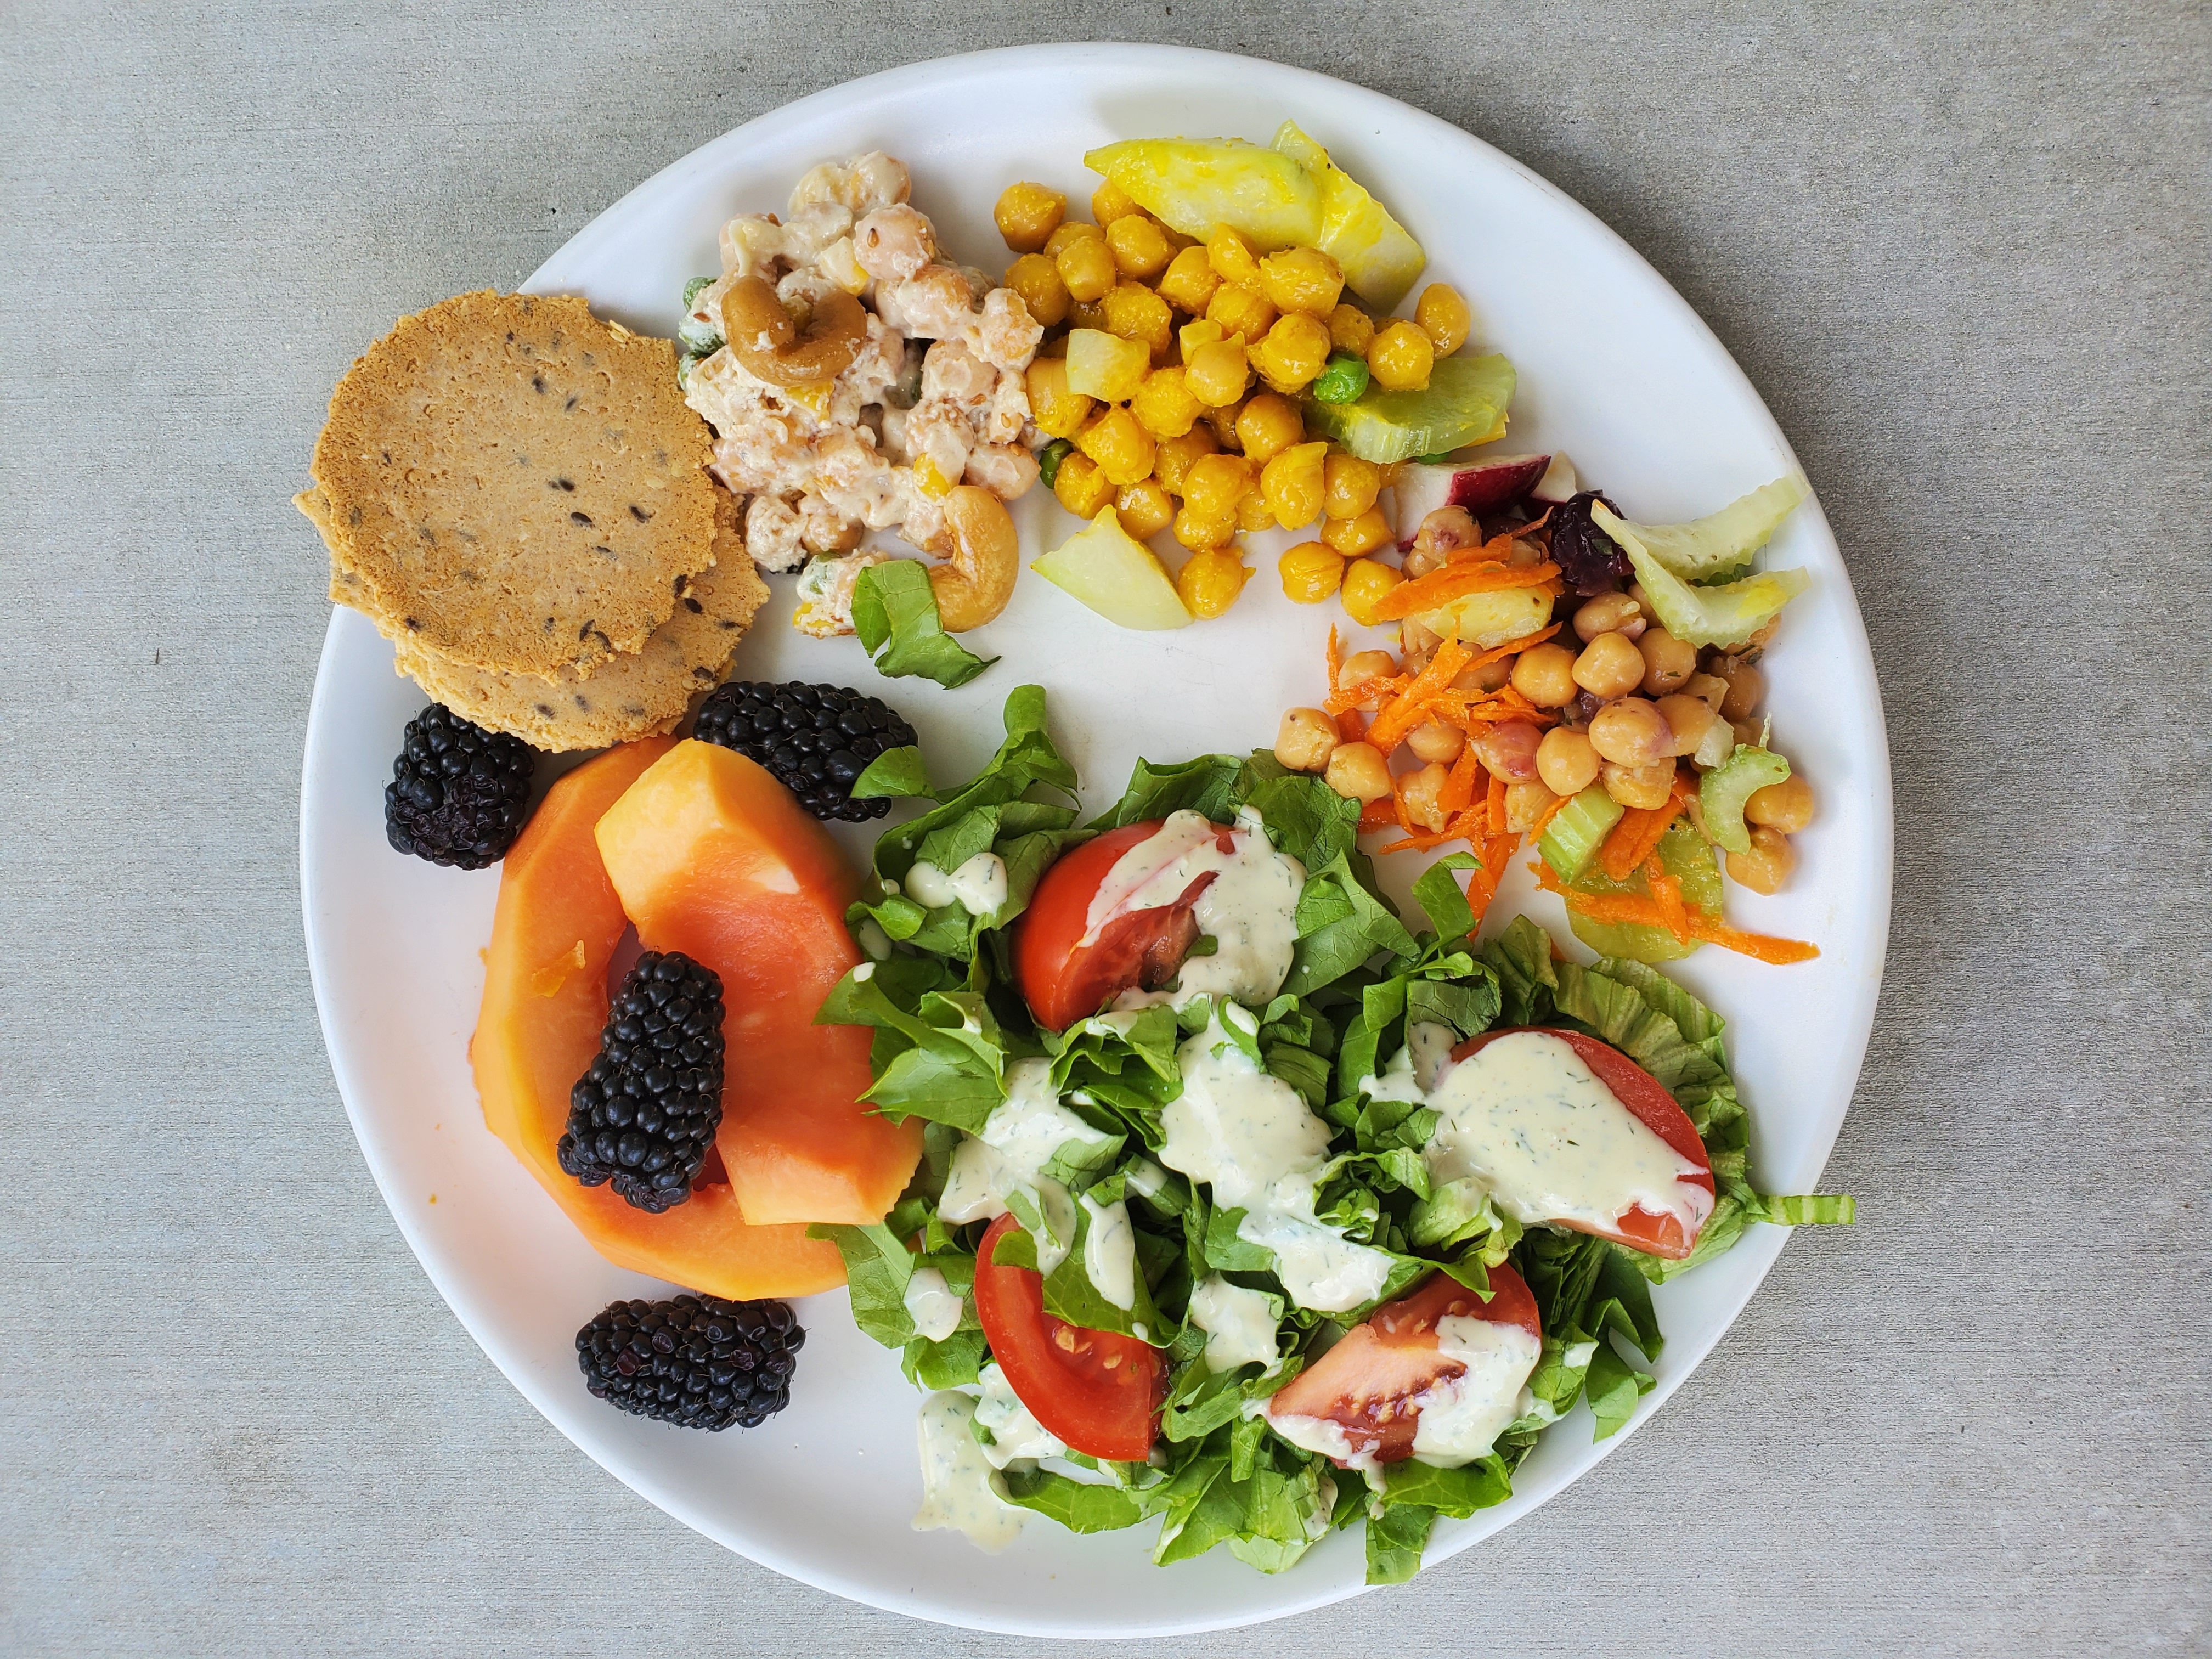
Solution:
(1344, 381)
(1050, 457)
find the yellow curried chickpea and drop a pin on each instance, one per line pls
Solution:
(1027, 216)
(1668, 662)
(1036, 279)
(1110, 201)
(1140, 247)
(1366, 582)
(1747, 690)
(1609, 667)
(1423, 793)
(1768, 866)
(1544, 674)
(1525, 807)
(1786, 806)
(1164, 406)
(1645, 786)
(1253, 513)
(1080, 487)
(1222, 420)
(1305, 740)
(1350, 329)
(1190, 281)
(1074, 230)
(1209, 582)
(1231, 258)
(1085, 264)
(1267, 425)
(1358, 771)
(1215, 483)
(1444, 317)
(1087, 314)
(1295, 351)
(1058, 411)
(1400, 357)
(1350, 484)
(1117, 441)
(1137, 314)
(1565, 762)
(1216, 372)
(1631, 732)
(1688, 718)
(1711, 689)
(1172, 457)
(1145, 508)
(1609, 613)
(1292, 482)
(1435, 740)
(1301, 279)
(1203, 533)
(1368, 533)
(1241, 310)
(1310, 573)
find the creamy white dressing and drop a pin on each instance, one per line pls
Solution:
(1531, 1123)
(1015, 1433)
(1249, 1135)
(1009, 1155)
(1249, 909)
(1109, 1252)
(1240, 1325)
(1314, 1434)
(960, 1490)
(1462, 1416)
(978, 886)
(934, 1305)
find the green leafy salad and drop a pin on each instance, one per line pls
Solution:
(1060, 1165)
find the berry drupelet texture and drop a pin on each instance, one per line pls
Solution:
(459, 794)
(695, 1361)
(645, 1114)
(816, 739)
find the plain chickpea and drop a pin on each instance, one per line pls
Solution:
(1711, 689)
(1435, 740)
(1358, 771)
(1643, 787)
(1364, 665)
(1609, 667)
(1489, 677)
(1786, 806)
(1631, 732)
(1508, 750)
(1688, 718)
(1565, 762)
(1768, 865)
(1441, 532)
(1747, 690)
(1608, 613)
(1750, 732)
(1525, 807)
(1668, 662)
(1305, 740)
(1545, 674)
(1423, 793)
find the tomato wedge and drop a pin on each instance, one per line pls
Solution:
(1097, 1390)
(1368, 1382)
(1064, 980)
(1647, 1101)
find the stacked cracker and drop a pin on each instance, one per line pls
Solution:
(515, 493)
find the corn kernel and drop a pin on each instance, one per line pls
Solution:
(1253, 513)
(1301, 279)
(1444, 317)
(1295, 351)
(1189, 281)
(1137, 314)
(1400, 357)
(1365, 584)
(1216, 373)
(1241, 311)
(1354, 537)
(1350, 329)
(1350, 485)
(1267, 425)
(1080, 487)
(1036, 279)
(1087, 265)
(1164, 406)
(1110, 201)
(1201, 532)
(1073, 231)
(1292, 482)
(1231, 255)
(1119, 443)
(1310, 573)
(1028, 215)
(1058, 410)
(931, 480)
(1208, 583)
(1144, 508)
(1140, 247)
(1172, 457)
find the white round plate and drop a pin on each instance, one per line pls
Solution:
(1614, 369)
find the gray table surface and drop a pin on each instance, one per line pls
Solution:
(1963, 253)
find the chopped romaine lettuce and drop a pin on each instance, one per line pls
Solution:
(894, 614)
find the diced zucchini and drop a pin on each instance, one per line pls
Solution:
(1464, 403)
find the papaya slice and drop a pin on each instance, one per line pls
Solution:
(557, 926)
(712, 857)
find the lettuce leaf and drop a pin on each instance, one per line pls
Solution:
(894, 614)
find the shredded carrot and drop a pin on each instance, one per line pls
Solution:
(1497, 852)
(1496, 551)
(1350, 725)
(1456, 581)
(1458, 788)
(1638, 910)
(1420, 843)
(1511, 647)
(1557, 806)
(1379, 814)
(1496, 805)
(1374, 690)
(1334, 655)
(1410, 706)
(1636, 837)
(1667, 894)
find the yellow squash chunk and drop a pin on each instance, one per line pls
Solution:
(1105, 366)
(1379, 256)
(1199, 185)
(1116, 575)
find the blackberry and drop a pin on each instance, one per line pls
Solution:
(459, 794)
(645, 1114)
(695, 1361)
(816, 739)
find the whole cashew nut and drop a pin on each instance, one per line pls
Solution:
(763, 336)
(977, 578)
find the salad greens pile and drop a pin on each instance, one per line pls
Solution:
(948, 1023)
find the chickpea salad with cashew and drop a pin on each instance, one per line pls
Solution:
(1191, 1182)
